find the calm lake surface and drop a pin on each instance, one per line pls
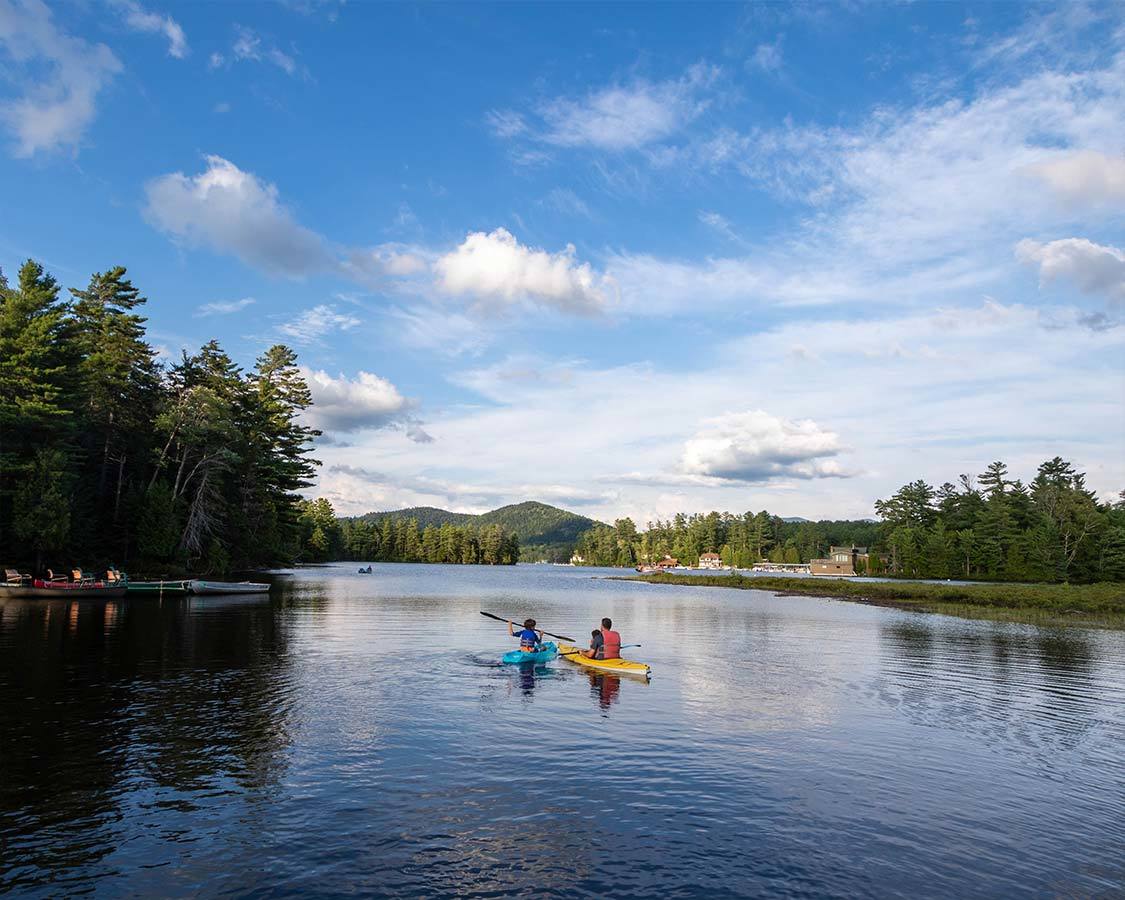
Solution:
(353, 735)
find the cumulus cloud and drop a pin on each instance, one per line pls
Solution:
(343, 404)
(314, 324)
(232, 211)
(756, 446)
(140, 19)
(60, 77)
(223, 307)
(1085, 178)
(1094, 268)
(617, 117)
(497, 270)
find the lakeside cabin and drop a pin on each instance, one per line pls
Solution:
(710, 561)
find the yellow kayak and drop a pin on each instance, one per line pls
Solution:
(617, 666)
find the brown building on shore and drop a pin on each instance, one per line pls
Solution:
(841, 561)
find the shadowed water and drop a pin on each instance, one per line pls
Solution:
(353, 735)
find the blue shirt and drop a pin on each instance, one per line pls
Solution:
(528, 637)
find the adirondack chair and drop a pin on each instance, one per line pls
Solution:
(52, 577)
(81, 577)
(11, 576)
(112, 576)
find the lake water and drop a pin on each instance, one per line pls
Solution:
(353, 735)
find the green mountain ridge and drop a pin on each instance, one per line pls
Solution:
(544, 531)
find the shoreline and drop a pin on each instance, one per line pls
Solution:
(1085, 605)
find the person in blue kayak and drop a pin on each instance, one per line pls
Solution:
(531, 639)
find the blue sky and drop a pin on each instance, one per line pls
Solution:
(629, 259)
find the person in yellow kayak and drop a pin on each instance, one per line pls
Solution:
(604, 644)
(531, 639)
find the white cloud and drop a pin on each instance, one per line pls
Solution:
(767, 57)
(60, 75)
(140, 19)
(249, 46)
(720, 224)
(910, 205)
(1085, 178)
(314, 324)
(343, 404)
(756, 446)
(223, 307)
(505, 123)
(617, 117)
(232, 211)
(496, 270)
(438, 330)
(1094, 268)
(966, 383)
(565, 201)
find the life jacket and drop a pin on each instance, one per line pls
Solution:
(529, 644)
(611, 649)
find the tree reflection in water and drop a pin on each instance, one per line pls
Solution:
(101, 703)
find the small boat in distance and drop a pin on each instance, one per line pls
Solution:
(227, 587)
(158, 587)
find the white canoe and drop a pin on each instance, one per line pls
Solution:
(228, 587)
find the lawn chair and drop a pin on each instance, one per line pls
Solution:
(112, 576)
(81, 577)
(52, 578)
(11, 576)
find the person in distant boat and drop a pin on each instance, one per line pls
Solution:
(531, 639)
(611, 642)
(596, 642)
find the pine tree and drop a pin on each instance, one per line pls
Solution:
(35, 409)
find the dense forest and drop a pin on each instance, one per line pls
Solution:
(991, 527)
(741, 540)
(392, 538)
(108, 456)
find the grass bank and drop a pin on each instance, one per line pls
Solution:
(1098, 605)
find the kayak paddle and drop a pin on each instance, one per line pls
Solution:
(561, 637)
(577, 652)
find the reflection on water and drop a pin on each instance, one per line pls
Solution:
(357, 734)
(605, 689)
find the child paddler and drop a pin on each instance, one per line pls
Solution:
(531, 639)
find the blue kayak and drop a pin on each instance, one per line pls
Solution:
(518, 657)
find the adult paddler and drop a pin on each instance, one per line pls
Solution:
(606, 644)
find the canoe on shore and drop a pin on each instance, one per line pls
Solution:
(228, 587)
(616, 666)
(157, 587)
(55, 590)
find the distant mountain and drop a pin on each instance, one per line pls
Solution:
(794, 519)
(545, 532)
(424, 515)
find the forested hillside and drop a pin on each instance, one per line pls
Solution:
(109, 457)
(543, 531)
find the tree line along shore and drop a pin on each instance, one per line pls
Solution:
(990, 527)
